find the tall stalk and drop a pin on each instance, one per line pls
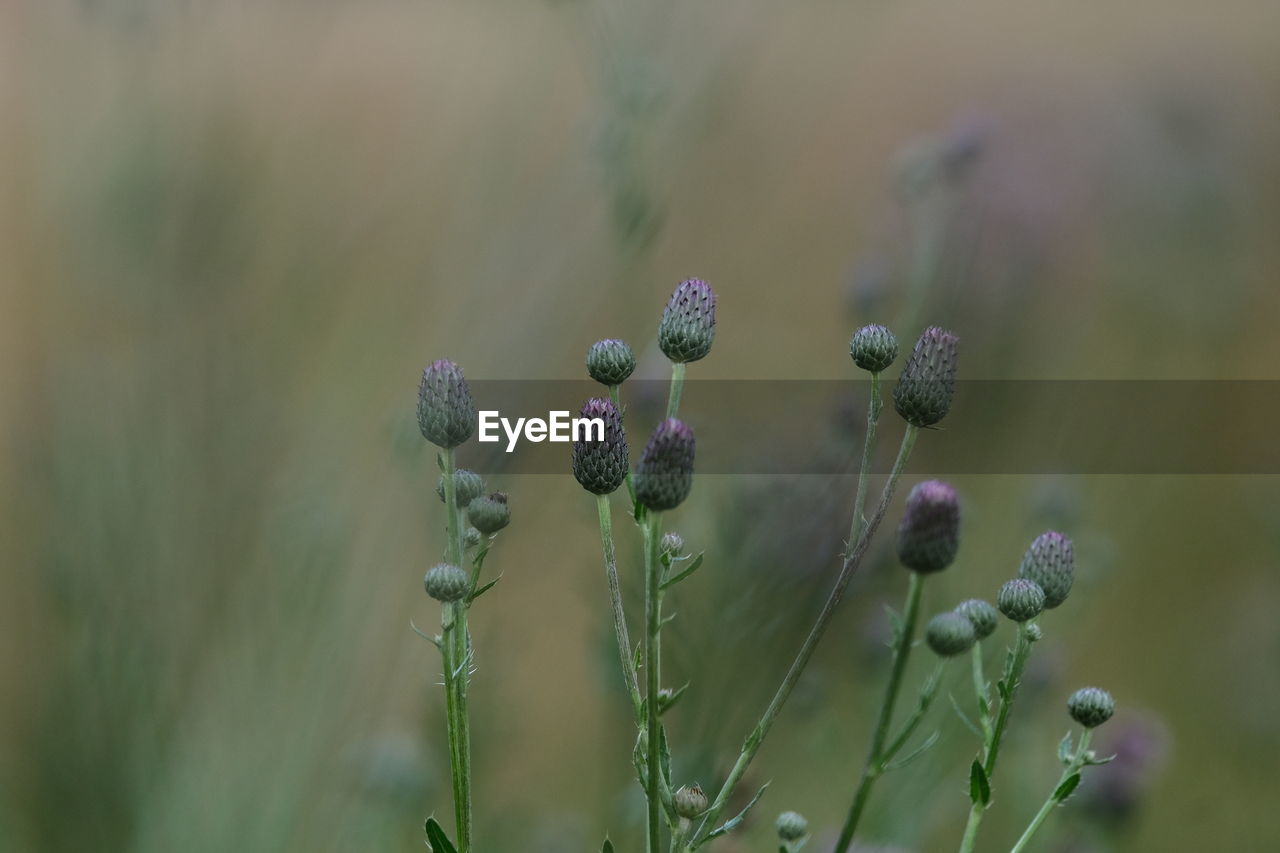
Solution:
(1066, 784)
(615, 603)
(864, 473)
(652, 653)
(456, 651)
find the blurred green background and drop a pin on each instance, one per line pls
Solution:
(232, 233)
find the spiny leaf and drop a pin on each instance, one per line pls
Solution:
(608, 846)
(482, 590)
(439, 842)
(1068, 785)
(729, 825)
(979, 787)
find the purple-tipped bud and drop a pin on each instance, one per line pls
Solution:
(1020, 599)
(601, 465)
(923, 393)
(665, 473)
(446, 415)
(1050, 562)
(489, 513)
(929, 535)
(950, 634)
(873, 348)
(982, 614)
(1091, 706)
(689, 322)
(610, 362)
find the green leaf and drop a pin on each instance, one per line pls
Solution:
(440, 462)
(693, 567)
(895, 621)
(964, 718)
(729, 825)
(1002, 688)
(439, 842)
(899, 763)
(665, 705)
(1092, 760)
(1068, 785)
(1064, 749)
(979, 787)
(482, 590)
(608, 846)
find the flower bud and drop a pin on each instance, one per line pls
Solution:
(690, 801)
(689, 322)
(923, 393)
(467, 486)
(489, 513)
(447, 583)
(929, 534)
(1050, 562)
(1034, 633)
(1091, 706)
(672, 545)
(873, 348)
(601, 466)
(471, 538)
(981, 614)
(950, 634)
(610, 362)
(1020, 599)
(665, 473)
(791, 826)
(446, 414)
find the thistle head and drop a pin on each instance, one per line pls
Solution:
(1020, 599)
(672, 545)
(489, 513)
(467, 486)
(950, 634)
(981, 614)
(1091, 706)
(688, 322)
(665, 473)
(873, 348)
(447, 583)
(791, 826)
(689, 801)
(928, 381)
(610, 362)
(1050, 562)
(446, 414)
(472, 538)
(929, 534)
(601, 466)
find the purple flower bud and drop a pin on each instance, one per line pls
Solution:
(923, 393)
(601, 466)
(689, 322)
(446, 414)
(1050, 562)
(665, 473)
(929, 535)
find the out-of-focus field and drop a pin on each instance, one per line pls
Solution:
(232, 233)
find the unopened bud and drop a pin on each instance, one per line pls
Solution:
(923, 393)
(982, 614)
(446, 414)
(950, 634)
(1020, 599)
(601, 466)
(689, 322)
(489, 513)
(1050, 562)
(467, 486)
(672, 545)
(929, 534)
(873, 348)
(446, 583)
(610, 362)
(791, 826)
(665, 473)
(690, 801)
(1091, 706)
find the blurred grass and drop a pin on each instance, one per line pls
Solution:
(231, 234)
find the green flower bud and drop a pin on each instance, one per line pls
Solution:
(446, 415)
(672, 545)
(447, 583)
(489, 513)
(467, 486)
(665, 473)
(610, 362)
(690, 801)
(1034, 633)
(689, 322)
(950, 634)
(791, 826)
(1050, 562)
(873, 348)
(1020, 599)
(982, 614)
(929, 534)
(1091, 706)
(471, 538)
(923, 393)
(601, 466)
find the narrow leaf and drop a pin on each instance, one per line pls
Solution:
(608, 846)
(1092, 760)
(964, 718)
(1064, 749)
(979, 787)
(439, 842)
(1068, 785)
(729, 825)
(666, 703)
(899, 763)
(482, 590)
(692, 567)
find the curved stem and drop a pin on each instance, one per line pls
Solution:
(877, 756)
(1055, 798)
(615, 602)
(653, 625)
(851, 563)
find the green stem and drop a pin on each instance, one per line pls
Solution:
(677, 385)
(1076, 763)
(851, 563)
(456, 650)
(864, 473)
(653, 626)
(615, 395)
(876, 756)
(615, 602)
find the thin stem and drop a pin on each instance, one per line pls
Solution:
(456, 650)
(653, 625)
(615, 601)
(980, 689)
(1077, 762)
(677, 385)
(615, 395)
(851, 563)
(864, 473)
(876, 756)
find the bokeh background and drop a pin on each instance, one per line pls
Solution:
(231, 234)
